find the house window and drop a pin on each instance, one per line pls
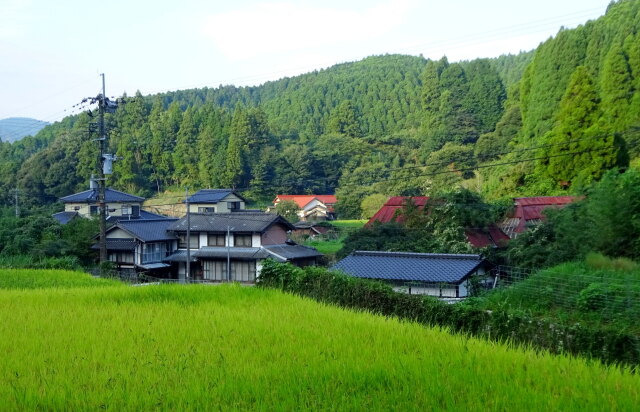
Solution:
(242, 240)
(215, 269)
(193, 244)
(93, 210)
(243, 271)
(206, 210)
(121, 257)
(128, 210)
(233, 205)
(215, 240)
(153, 252)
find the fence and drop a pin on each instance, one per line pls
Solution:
(606, 297)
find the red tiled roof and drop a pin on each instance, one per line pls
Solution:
(391, 211)
(531, 208)
(387, 212)
(493, 237)
(303, 200)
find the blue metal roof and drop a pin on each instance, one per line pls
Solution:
(211, 195)
(91, 196)
(403, 266)
(148, 230)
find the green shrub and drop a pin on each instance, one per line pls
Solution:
(593, 297)
(502, 324)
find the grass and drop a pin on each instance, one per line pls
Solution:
(329, 246)
(175, 347)
(599, 291)
(349, 224)
(41, 279)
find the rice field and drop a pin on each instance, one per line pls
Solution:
(176, 347)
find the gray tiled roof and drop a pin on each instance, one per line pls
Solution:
(118, 244)
(144, 215)
(91, 196)
(211, 195)
(423, 267)
(179, 256)
(234, 252)
(148, 230)
(237, 222)
(64, 217)
(289, 252)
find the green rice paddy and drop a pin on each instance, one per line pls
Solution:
(176, 347)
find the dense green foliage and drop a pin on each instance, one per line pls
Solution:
(438, 228)
(121, 348)
(500, 323)
(598, 292)
(542, 122)
(607, 220)
(47, 243)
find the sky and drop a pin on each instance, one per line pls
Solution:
(52, 52)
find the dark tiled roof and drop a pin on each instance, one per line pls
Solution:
(237, 222)
(150, 266)
(211, 195)
(234, 252)
(118, 244)
(148, 230)
(64, 217)
(144, 215)
(289, 252)
(422, 267)
(91, 196)
(179, 256)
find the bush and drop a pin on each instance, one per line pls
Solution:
(502, 325)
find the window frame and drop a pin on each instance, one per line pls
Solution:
(245, 236)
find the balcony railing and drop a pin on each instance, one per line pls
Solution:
(153, 257)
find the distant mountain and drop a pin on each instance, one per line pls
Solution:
(15, 128)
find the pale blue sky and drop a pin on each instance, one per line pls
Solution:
(51, 52)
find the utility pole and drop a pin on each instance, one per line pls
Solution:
(188, 265)
(17, 208)
(229, 253)
(102, 103)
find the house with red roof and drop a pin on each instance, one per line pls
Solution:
(312, 207)
(528, 212)
(393, 211)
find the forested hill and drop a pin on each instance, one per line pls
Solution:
(391, 125)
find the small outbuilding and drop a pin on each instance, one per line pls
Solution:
(447, 276)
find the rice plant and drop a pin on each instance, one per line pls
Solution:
(176, 347)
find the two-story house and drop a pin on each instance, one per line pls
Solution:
(231, 246)
(141, 245)
(119, 206)
(311, 207)
(216, 201)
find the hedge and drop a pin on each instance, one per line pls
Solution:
(610, 346)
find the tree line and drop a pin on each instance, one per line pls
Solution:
(543, 122)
